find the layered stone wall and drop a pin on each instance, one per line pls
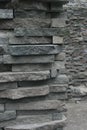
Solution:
(76, 48)
(32, 64)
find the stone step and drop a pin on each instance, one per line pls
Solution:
(36, 105)
(24, 92)
(20, 32)
(24, 76)
(23, 50)
(8, 59)
(43, 126)
(6, 14)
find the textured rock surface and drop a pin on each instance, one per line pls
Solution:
(33, 77)
(24, 92)
(6, 14)
(49, 125)
(23, 50)
(24, 76)
(41, 105)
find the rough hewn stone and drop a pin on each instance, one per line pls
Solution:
(39, 32)
(8, 115)
(6, 14)
(58, 22)
(23, 50)
(30, 40)
(45, 126)
(7, 59)
(57, 40)
(38, 105)
(24, 76)
(24, 92)
(31, 67)
(27, 22)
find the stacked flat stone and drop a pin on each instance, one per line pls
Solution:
(32, 64)
(76, 48)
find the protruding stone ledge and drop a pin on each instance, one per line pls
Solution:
(20, 32)
(8, 115)
(43, 126)
(39, 105)
(6, 14)
(26, 22)
(23, 50)
(24, 92)
(7, 59)
(24, 76)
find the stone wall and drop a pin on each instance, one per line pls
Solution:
(32, 64)
(76, 48)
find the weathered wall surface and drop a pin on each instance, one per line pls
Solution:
(32, 62)
(76, 48)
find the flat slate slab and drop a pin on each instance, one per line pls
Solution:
(24, 76)
(36, 105)
(8, 59)
(40, 126)
(20, 32)
(6, 14)
(8, 115)
(24, 92)
(23, 50)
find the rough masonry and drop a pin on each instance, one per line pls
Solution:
(33, 80)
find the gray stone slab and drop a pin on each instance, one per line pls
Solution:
(1, 107)
(25, 92)
(45, 126)
(7, 59)
(39, 32)
(6, 14)
(26, 22)
(7, 115)
(4, 86)
(30, 40)
(38, 105)
(58, 22)
(23, 50)
(31, 119)
(24, 76)
(31, 67)
(58, 88)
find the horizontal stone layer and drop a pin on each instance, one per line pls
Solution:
(24, 76)
(38, 105)
(33, 5)
(24, 92)
(39, 32)
(23, 50)
(45, 126)
(30, 40)
(7, 59)
(7, 115)
(9, 85)
(31, 67)
(26, 22)
(1, 107)
(58, 88)
(6, 14)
